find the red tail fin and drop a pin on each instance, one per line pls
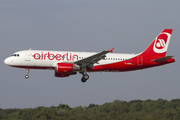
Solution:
(160, 45)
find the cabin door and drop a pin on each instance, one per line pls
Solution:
(27, 56)
(140, 60)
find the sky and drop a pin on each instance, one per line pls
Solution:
(90, 26)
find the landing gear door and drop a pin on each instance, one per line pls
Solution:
(139, 60)
(27, 56)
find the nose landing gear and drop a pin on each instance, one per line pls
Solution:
(27, 73)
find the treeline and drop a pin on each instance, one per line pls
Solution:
(117, 110)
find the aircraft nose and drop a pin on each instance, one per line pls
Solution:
(7, 61)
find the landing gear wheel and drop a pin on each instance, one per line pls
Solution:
(27, 73)
(26, 76)
(85, 78)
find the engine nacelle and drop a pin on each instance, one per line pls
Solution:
(60, 74)
(67, 68)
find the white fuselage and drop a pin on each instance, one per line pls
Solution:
(49, 59)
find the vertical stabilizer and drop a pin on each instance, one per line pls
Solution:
(160, 45)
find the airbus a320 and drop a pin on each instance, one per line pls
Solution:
(66, 63)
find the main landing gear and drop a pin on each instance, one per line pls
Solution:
(27, 73)
(85, 76)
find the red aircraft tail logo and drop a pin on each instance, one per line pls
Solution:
(161, 43)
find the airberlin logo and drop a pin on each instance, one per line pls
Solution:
(161, 42)
(51, 56)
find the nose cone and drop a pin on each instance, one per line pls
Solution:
(7, 61)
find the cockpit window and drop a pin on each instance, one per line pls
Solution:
(15, 55)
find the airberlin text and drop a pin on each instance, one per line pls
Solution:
(51, 56)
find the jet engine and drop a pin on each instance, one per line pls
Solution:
(66, 69)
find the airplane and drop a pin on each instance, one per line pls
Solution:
(66, 63)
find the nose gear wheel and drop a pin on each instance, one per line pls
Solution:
(27, 73)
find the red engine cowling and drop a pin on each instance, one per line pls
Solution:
(66, 69)
(61, 74)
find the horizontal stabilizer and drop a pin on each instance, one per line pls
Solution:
(163, 59)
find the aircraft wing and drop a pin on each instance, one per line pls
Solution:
(91, 60)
